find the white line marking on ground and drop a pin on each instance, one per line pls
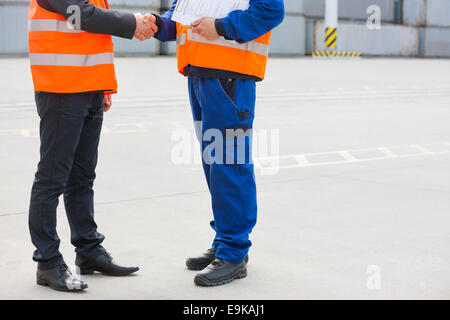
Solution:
(301, 160)
(348, 157)
(388, 152)
(421, 149)
(105, 130)
(312, 94)
(256, 163)
(25, 132)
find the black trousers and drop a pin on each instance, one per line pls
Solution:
(70, 132)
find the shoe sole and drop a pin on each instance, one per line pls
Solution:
(46, 284)
(87, 272)
(202, 282)
(191, 266)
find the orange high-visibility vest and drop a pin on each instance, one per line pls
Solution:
(248, 58)
(66, 60)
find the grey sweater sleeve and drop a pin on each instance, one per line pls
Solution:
(94, 19)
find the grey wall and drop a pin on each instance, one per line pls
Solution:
(390, 40)
(350, 9)
(425, 30)
(13, 27)
(432, 18)
(289, 37)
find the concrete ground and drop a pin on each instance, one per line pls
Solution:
(359, 208)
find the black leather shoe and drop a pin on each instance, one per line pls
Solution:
(220, 272)
(103, 264)
(60, 278)
(202, 261)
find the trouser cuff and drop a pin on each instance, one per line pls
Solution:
(231, 255)
(51, 263)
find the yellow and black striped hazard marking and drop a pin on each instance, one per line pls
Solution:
(333, 54)
(330, 37)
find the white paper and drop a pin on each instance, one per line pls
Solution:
(187, 11)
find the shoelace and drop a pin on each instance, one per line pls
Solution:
(108, 255)
(63, 268)
(218, 261)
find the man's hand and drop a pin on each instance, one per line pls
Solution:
(108, 102)
(145, 26)
(206, 27)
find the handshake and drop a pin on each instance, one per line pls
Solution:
(146, 26)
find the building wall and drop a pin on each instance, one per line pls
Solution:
(350, 9)
(13, 27)
(390, 40)
(290, 37)
(409, 28)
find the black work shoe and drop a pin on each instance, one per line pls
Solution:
(103, 264)
(220, 272)
(202, 261)
(60, 279)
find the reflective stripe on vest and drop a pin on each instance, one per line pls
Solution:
(252, 46)
(52, 25)
(70, 60)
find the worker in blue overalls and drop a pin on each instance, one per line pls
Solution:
(223, 59)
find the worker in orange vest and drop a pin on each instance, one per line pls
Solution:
(73, 74)
(223, 59)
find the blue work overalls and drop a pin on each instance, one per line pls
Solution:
(220, 105)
